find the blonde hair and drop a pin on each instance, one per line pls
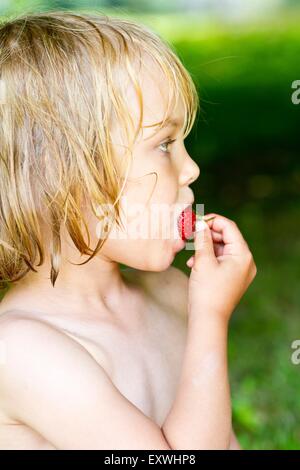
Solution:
(60, 84)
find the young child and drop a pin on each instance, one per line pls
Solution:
(94, 112)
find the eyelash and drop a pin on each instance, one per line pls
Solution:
(167, 142)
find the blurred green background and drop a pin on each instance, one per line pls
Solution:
(243, 56)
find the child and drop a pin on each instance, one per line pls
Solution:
(96, 357)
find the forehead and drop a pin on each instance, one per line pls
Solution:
(155, 89)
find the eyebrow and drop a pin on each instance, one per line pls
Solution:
(169, 122)
(172, 122)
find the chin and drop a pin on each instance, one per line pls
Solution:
(162, 259)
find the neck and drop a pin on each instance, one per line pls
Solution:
(94, 288)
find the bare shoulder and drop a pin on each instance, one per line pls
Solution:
(27, 345)
(16, 328)
(23, 337)
(54, 386)
(169, 288)
(33, 349)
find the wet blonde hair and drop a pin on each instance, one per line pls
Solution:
(61, 82)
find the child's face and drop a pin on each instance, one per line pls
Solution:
(150, 238)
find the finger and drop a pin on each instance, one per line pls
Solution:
(219, 249)
(227, 227)
(203, 242)
(190, 262)
(217, 237)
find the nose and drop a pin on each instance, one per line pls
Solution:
(190, 171)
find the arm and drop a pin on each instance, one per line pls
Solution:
(175, 283)
(202, 405)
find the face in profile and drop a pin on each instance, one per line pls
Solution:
(148, 238)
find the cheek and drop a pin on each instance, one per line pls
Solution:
(158, 185)
(145, 239)
(152, 226)
(146, 205)
(167, 185)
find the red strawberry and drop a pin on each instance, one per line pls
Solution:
(186, 223)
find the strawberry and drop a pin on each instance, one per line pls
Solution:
(186, 223)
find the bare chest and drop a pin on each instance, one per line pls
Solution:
(144, 363)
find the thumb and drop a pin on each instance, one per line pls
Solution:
(203, 242)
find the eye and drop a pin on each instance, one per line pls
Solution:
(168, 142)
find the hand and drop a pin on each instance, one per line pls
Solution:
(222, 268)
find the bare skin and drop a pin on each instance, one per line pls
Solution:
(105, 360)
(139, 359)
(153, 367)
